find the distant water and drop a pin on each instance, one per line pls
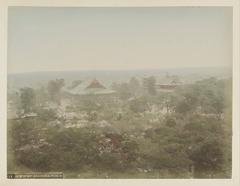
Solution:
(35, 79)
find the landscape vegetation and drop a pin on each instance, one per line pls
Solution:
(137, 130)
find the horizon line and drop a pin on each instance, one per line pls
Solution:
(136, 69)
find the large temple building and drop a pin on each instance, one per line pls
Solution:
(92, 88)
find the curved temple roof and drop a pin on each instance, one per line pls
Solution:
(94, 88)
(95, 84)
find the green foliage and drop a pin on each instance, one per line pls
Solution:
(54, 88)
(207, 156)
(89, 104)
(150, 85)
(71, 149)
(42, 96)
(193, 139)
(28, 99)
(46, 115)
(168, 150)
(124, 91)
(205, 139)
(134, 86)
(207, 95)
(170, 122)
(138, 105)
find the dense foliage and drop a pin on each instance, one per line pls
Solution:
(191, 139)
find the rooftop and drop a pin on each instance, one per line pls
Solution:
(95, 84)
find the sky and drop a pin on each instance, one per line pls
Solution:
(66, 39)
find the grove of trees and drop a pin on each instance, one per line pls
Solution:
(192, 140)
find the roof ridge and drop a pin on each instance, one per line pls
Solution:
(95, 84)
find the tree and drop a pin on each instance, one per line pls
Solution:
(28, 99)
(204, 138)
(54, 89)
(187, 99)
(138, 105)
(134, 86)
(207, 157)
(206, 95)
(149, 84)
(167, 101)
(164, 149)
(124, 91)
(212, 95)
(41, 96)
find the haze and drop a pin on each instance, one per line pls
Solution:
(62, 39)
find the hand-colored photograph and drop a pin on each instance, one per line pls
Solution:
(119, 92)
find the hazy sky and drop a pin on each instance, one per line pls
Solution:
(52, 39)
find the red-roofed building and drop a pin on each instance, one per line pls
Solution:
(96, 85)
(93, 88)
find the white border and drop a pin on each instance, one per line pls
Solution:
(120, 3)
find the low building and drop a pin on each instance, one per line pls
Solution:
(168, 83)
(166, 87)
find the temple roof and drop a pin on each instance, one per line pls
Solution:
(95, 84)
(92, 88)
